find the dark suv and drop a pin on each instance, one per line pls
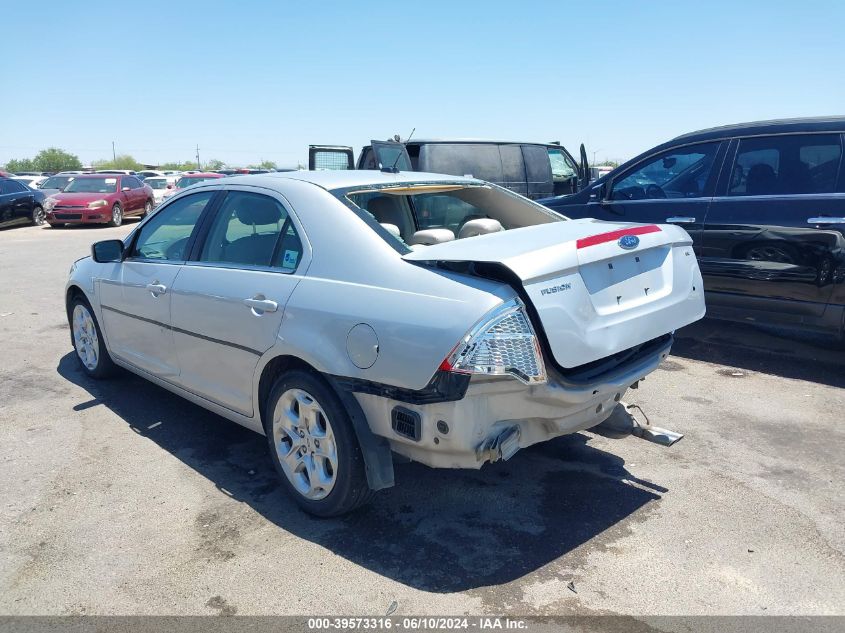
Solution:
(19, 204)
(765, 205)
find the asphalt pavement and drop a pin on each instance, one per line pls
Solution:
(120, 498)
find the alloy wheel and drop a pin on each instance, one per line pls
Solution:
(305, 444)
(85, 338)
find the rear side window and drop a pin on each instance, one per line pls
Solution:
(463, 159)
(677, 173)
(252, 229)
(11, 186)
(165, 236)
(791, 164)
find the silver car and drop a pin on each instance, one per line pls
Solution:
(351, 315)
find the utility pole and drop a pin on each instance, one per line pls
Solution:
(198, 157)
(113, 154)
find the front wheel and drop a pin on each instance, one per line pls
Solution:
(116, 215)
(314, 447)
(38, 215)
(88, 340)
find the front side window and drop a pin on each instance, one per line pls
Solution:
(678, 173)
(166, 235)
(131, 182)
(791, 164)
(562, 167)
(252, 229)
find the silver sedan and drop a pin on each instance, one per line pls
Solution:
(352, 315)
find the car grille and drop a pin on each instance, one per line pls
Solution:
(67, 216)
(69, 206)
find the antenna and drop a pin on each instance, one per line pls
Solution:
(399, 155)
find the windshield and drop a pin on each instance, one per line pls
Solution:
(92, 185)
(413, 216)
(55, 182)
(187, 181)
(156, 183)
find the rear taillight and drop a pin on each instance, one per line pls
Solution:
(502, 344)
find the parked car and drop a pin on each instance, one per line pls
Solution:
(125, 172)
(19, 204)
(534, 170)
(325, 311)
(54, 184)
(100, 199)
(188, 179)
(765, 205)
(159, 185)
(30, 181)
(150, 173)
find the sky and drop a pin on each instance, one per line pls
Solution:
(255, 80)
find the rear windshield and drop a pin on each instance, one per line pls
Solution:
(414, 216)
(106, 184)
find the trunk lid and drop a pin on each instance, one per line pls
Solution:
(598, 288)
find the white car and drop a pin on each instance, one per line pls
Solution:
(349, 315)
(160, 185)
(30, 181)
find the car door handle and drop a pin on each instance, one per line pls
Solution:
(260, 305)
(680, 219)
(156, 289)
(825, 220)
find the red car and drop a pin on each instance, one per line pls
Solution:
(99, 199)
(187, 180)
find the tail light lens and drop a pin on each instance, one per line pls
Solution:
(501, 344)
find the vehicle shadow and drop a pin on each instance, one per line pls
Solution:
(436, 530)
(767, 350)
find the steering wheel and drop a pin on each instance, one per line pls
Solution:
(653, 191)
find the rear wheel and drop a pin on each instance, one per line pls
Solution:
(148, 207)
(314, 447)
(88, 340)
(116, 215)
(38, 215)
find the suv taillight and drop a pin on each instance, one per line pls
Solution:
(501, 344)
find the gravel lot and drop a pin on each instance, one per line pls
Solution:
(120, 498)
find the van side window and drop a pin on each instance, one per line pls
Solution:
(786, 165)
(677, 173)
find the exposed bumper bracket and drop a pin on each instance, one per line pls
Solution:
(502, 446)
(621, 423)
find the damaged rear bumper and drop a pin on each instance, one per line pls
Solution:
(497, 416)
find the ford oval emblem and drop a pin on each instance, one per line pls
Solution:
(629, 241)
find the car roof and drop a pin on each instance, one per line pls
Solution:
(478, 141)
(774, 126)
(94, 175)
(202, 174)
(344, 178)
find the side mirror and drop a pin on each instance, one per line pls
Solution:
(170, 186)
(125, 189)
(107, 251)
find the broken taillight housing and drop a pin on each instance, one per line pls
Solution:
(501, 344)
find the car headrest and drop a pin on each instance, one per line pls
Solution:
(391, 228)
(427, 237)
(482, 226)
(257, 211)
(384, 208)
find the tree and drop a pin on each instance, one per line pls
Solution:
(178, 166)
(214, 163)
(20, 164)
(122, 161)
(55, 159)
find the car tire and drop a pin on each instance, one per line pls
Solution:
(148, 208)
(116, 215)
(88, 342)
(325, 479)
(38, 215)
